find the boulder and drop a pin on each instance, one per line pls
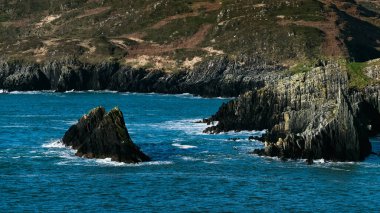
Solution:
(103, 135)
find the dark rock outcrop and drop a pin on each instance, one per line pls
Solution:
(28, 77)
(103, 135)
(215, 77)
(310, 115)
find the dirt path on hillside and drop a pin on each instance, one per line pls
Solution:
(332, 46)
(353, 9)
(155, 49)
(92, 12)
(146, 48)
(207, 6)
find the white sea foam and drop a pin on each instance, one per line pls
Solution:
(31, 92)
(193, 127)
(72, 122)
(109, 162)
(69, 157)
(211, 162)
(54, 144)
(334, 165)
(187, 95)
(102, 91)
(182, 95)
(189, 126)
(90, 91)
(331, 163)
(319, 161)
(188, 158)
(3, 91)
(180, 146)
(191, 96)
(74, 91)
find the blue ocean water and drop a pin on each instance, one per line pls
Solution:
(190, 171)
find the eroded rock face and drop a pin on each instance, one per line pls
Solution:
(215, 77)
(103, 135)
(308, 115)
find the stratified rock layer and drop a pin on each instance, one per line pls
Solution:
(103, 135)
(309, 115)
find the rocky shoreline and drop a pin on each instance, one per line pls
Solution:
(217, 77)
(313, 115)
(309, 115)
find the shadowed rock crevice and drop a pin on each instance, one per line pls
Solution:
(103, 135)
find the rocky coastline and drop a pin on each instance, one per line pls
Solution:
(217, 77)
(312, 115)
(309, 115)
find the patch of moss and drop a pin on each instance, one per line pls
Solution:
(300, 68)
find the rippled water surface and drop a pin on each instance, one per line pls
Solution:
(191, 171)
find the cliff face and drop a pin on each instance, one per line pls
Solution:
(218, 77)
(308, 115)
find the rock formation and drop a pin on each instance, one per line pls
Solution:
(217, 77)
(103, 135)
(309, 115)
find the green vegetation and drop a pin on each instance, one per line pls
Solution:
(358, 79)
(301, 68)
(180, 55)
(180, 28)
(306, 65)
(300, 10)
(274, 30)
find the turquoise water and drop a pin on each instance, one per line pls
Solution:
(191, 171)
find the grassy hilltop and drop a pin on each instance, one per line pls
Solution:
(173, 34)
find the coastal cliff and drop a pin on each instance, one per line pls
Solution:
(310, 115)
(218, 77)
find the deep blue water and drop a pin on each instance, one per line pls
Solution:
(191, 171)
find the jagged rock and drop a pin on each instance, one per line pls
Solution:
(103, 135)
(309, 115)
